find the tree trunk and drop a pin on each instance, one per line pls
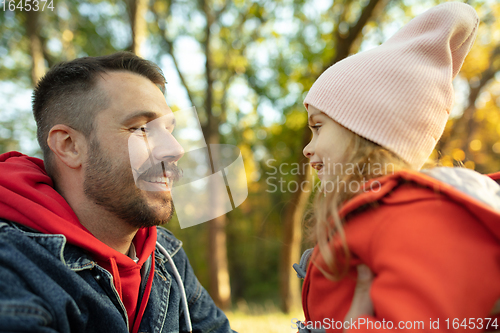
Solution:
(138, 24)
(344, 43)
(38, 68)
(292, 237)
(220, 288)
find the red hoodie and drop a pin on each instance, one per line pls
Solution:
(27, 197)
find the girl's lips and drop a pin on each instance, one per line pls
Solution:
(318, 166)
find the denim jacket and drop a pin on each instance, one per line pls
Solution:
(47, 285)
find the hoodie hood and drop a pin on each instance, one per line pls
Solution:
(27, 197)
(480, 187)
(479, 194)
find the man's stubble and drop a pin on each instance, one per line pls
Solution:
(111, 185)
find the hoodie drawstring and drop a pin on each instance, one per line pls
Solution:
(181, 286)
(116, 276)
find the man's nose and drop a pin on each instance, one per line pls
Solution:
(167, 148)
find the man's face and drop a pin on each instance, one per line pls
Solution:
(134, 101)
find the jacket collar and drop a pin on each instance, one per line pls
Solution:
(77, 259)
(171, 244)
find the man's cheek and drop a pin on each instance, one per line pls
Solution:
(138, 154)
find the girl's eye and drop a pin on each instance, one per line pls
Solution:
(315, 127)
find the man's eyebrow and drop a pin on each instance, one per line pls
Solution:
(148, 115)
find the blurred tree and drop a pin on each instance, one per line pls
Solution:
(6, 141)
(471, 135)
(219, 32)
(137, 10)
(36, 46)
(246, 66)
(32, 41)
(344, 22)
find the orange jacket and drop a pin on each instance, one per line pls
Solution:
(433, 246)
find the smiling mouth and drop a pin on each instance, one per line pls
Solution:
(317, 166)
(160, 176)
(165, 178)
(160, 180)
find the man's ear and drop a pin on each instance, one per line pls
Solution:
(69, 145)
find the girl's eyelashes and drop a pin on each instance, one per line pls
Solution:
(315, 127)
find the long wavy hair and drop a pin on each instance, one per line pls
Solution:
(363, 161)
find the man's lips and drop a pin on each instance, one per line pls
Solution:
(160, 174)
(160, 184)
(159, 180)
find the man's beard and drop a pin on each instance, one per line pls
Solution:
(112, 187)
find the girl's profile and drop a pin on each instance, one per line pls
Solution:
(430, 237)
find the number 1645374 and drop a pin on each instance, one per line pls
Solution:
(27, 5)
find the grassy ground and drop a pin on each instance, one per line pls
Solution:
(265, 318)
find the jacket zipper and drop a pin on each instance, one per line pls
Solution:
(117, 296)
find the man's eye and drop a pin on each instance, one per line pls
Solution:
(138, 130)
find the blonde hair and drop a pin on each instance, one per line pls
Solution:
(362, 155)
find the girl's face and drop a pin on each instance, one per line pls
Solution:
(329, 143)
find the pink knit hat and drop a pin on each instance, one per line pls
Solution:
(400, 93)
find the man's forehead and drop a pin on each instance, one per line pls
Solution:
(132, 96)
(116, 81)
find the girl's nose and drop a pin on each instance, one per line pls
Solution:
(308, 151)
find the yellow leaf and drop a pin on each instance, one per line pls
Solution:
(446, 161)
(67, 36)
(470, 165)
(458, 154)
(475, 145)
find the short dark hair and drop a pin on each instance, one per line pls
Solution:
(68, 94)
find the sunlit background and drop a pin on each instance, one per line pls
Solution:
(246, 66)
